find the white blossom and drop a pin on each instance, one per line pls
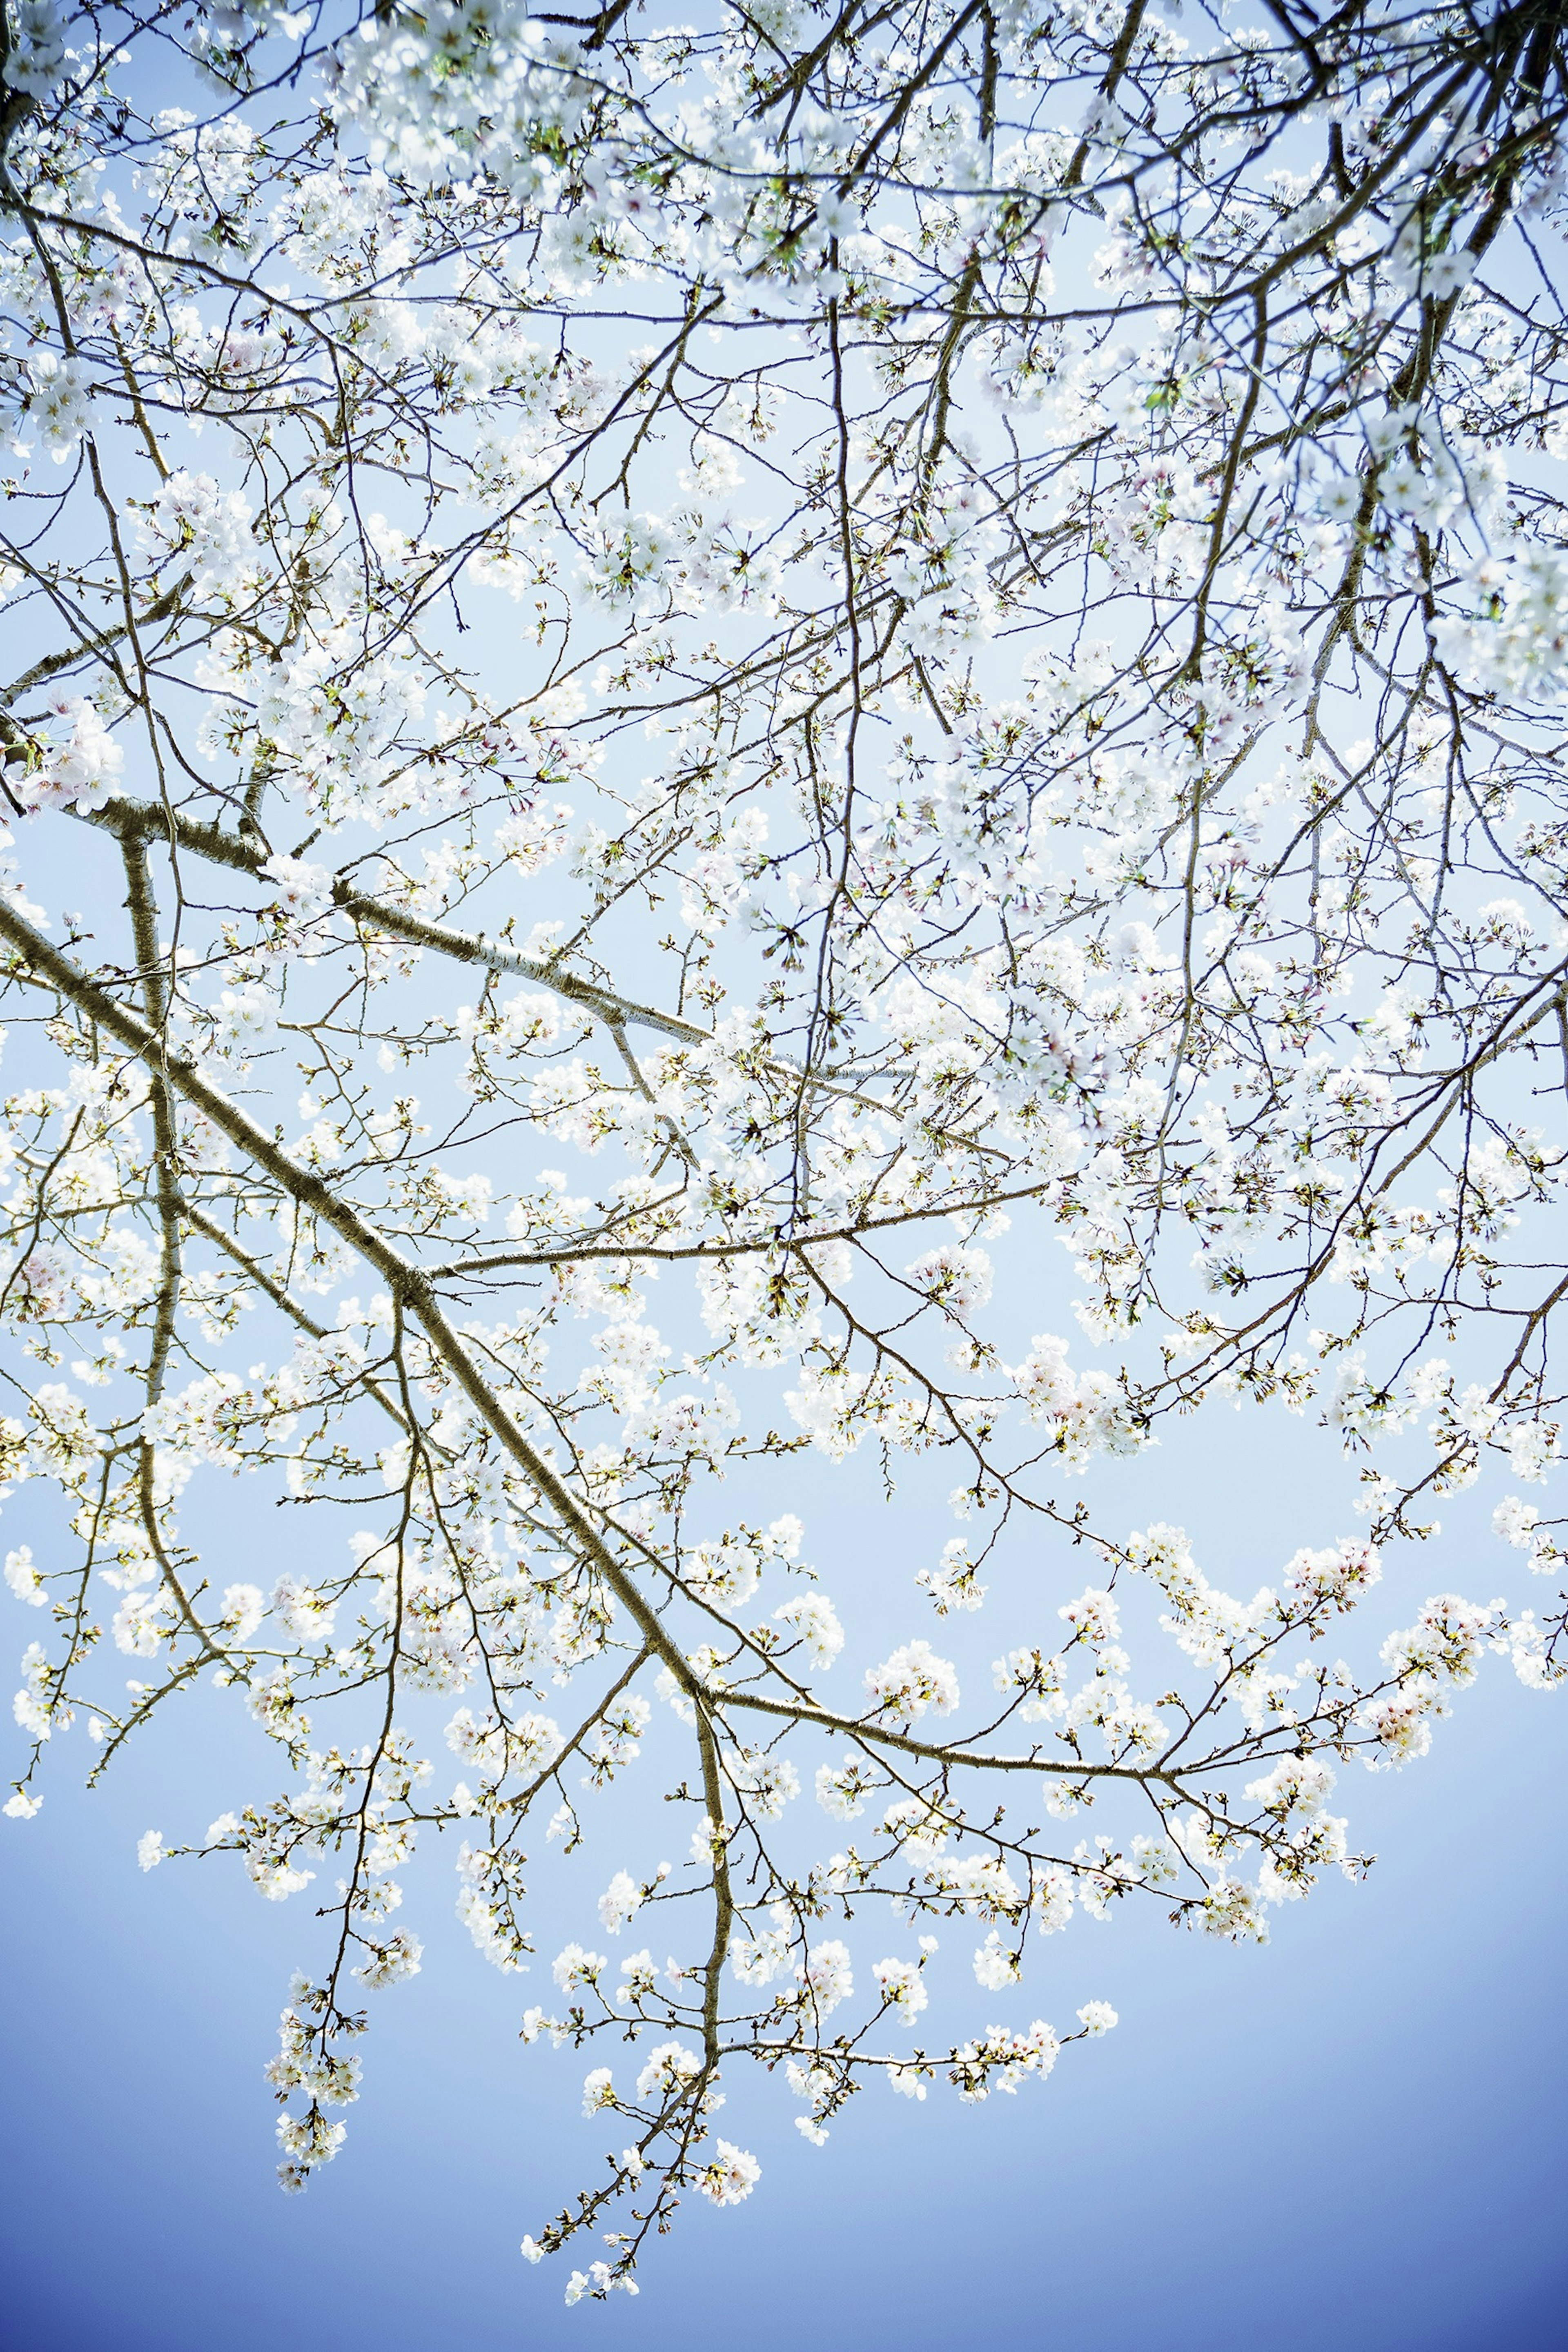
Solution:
(912, 1679)
(958, 926)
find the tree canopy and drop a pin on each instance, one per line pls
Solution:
(800, 656)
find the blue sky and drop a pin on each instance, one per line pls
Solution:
(1353, 2137)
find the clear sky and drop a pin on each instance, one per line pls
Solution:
(1353, 2138)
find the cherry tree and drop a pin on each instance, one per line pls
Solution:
(798, 656)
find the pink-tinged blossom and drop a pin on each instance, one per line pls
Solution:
(304, 890)
(912, 1679)
(730, 2177)
(901, 1985)
(957, 1279)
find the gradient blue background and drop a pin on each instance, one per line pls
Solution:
(1354, 2139)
